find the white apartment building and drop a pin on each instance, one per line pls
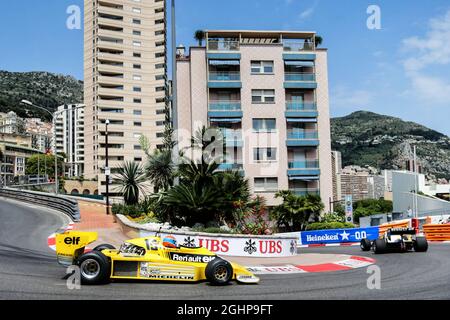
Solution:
(11, 123)
(124, 81)
(268, 93)
(69, 130)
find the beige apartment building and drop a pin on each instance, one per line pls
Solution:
(124, 80)
(268, 93)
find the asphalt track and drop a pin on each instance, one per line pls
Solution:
(28, 270)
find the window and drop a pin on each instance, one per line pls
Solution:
(136, 33)
(160, 100)
(136, 21)
(160, 77)
(137, 43)
(136, 10)
(263, 96)
(137, 124)
(137, 66)
(264, 67)
(159, 21)
(266, 184)
(136, 100)
(137, 112)
(137, 147)
(137, 89)
(137, 77)
(137, 135)
(160, 66)
(161, 111)
(264, 154)
(160, 134)
(136, 55)
(138, 159)
(159, 89)
(264, 125)
(160, 123)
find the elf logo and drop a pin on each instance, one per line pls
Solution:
(72, 240)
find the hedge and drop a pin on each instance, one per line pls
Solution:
(329, 225)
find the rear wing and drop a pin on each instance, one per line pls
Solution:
(402, 231)
(70, 245)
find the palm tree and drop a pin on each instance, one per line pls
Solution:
(200, 36)
(317, 40)
(160, 169)
(130, 180)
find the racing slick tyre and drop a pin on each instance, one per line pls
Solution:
(219, 272)
(103, 247)
(95, 268)
(379, 246)
(421, 244)
(365, 244)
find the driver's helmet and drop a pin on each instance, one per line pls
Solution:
(170, 242)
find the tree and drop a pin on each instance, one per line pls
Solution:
(160, 169)
(200, 36)
(296, 211)
(317, 40)
(46, 164)
(130, 180)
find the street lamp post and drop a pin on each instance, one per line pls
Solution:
(107, 170)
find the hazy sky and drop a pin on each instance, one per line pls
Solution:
(400, 70)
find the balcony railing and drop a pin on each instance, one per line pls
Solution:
(223, 45)
(301, 106)
(305, 135)
(305, 191)
(224, 76)
(225, 106)
(300, 76)
(298, 46)
(231, 135)
(230, 166)
(307, 164)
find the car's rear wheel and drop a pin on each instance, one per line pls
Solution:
(365, 244)
(379, 246)
(219, 272)
(95, 268)
(104, 247)
(420, 244)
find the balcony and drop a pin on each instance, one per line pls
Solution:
(233, 138)
(300, 80)
(223, 45)
(225, 109)
(301, 109)
(302, 138)
(298, 46)
(303, 168)
(230, 166)
(224, 79)
(305, 191)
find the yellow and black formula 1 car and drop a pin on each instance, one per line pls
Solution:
(150, 258)
(396, 239)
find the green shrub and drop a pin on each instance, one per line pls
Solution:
(133, 211)
(211, 230)
(329, 225)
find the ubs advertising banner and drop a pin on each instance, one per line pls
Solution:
(338, 235)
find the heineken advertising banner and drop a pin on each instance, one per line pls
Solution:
(338, 235)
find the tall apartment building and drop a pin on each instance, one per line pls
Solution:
(124, 80)
(69, 127)
(268, 93)
(336, 168)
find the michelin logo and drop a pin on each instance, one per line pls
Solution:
(191, 258)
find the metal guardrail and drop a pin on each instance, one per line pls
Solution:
(66, 206)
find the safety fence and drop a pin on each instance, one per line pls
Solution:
(64, 205)
(437, 232)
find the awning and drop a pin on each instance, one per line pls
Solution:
(233, 120)
(304, 178)
(301, 120)
(299, 63)
(224, 62)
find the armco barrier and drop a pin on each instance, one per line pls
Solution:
(223, 244)
(66, 206)
(437, 232)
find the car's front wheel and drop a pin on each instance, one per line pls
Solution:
(95, 268)
(219, 272)
(365, 244)
(104, 247)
